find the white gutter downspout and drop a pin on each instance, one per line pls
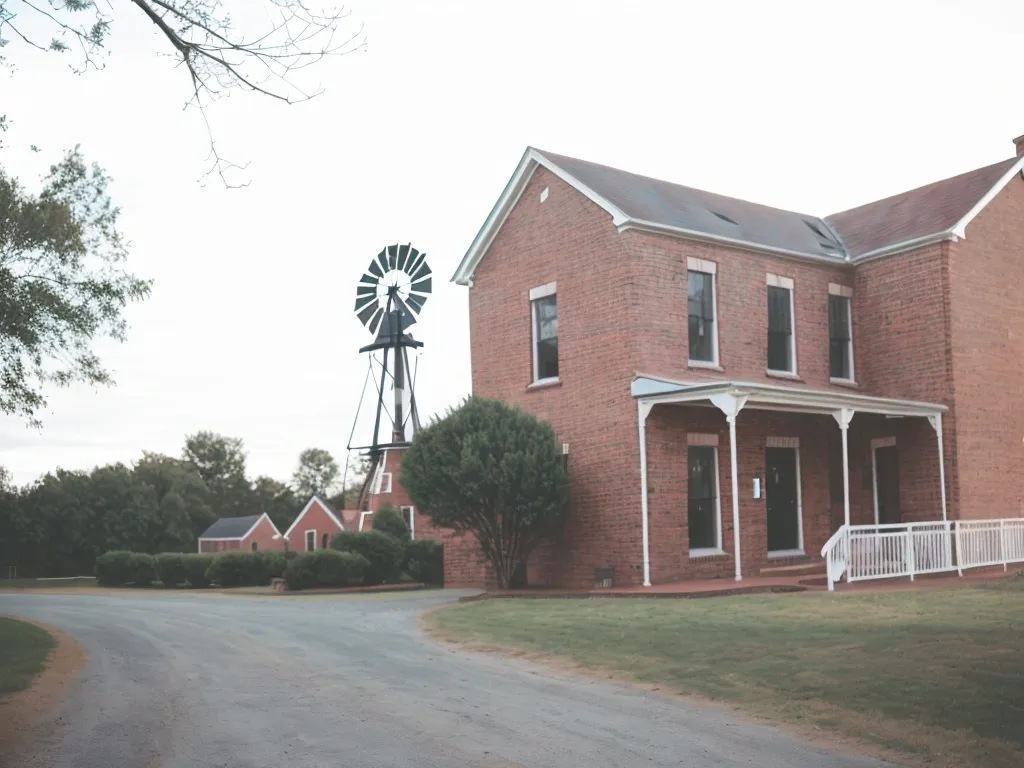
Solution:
(643, 409)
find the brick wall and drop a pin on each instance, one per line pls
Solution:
(399, 498)
(316, 519)
(988, 357)
(263, 535)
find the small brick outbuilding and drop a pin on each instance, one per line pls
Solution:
(247, 534)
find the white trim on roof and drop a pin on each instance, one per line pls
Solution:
(532, 159)
(960, 230)
(306, 509)
(239, 538)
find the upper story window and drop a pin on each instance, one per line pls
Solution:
(544, 313)
(702, 330)
(781, 339)
(840, 335)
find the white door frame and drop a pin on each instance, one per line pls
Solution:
(793, 443)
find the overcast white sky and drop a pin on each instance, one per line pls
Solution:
(812, 106)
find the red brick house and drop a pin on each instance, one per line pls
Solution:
(247, 534)
(740, 387)
(385, 489)
(314, 527)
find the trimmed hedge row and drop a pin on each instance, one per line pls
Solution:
(173, 569)
(424, 561)
(326, 568)
(383, 553)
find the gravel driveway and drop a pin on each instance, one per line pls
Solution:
(239, 682)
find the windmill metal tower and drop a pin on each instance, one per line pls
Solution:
(389, 298)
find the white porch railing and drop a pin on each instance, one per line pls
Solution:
(862, 552)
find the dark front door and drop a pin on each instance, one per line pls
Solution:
(781, 497)
(887, 479)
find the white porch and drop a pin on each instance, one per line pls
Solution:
(733, 399)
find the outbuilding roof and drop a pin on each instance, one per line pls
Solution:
(231, 527)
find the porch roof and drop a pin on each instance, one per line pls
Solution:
(773, 397)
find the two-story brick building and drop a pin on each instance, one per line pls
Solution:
(735, 382)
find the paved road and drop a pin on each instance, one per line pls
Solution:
(232, 682)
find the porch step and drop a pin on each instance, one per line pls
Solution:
(803, 569)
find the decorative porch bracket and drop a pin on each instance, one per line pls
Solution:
(731, 405)
(643, 410)
(843, 418)
(936, 422)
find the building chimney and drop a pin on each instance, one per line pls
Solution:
(1019, 142)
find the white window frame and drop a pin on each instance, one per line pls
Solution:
(306, 539)
(794, 443)
(789, 284)
(540, 292)
(409, 513)
(709, 440)
(707, 268)
(382, 484)
(847, 293)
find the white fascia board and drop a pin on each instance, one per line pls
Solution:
(306, 509)
(746, 245)
(510, 196)
(960, 230)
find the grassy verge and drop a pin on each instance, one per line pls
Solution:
(936, 673)
(25, 648)
(85, 581)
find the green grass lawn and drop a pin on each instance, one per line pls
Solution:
(23, 651)
(85, 581)
(936, 673)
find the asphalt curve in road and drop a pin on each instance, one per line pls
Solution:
(176, 681)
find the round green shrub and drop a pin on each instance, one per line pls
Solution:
(301, 571)
(339, 569)
(383, 552)
(196, 567)
(170, 569)
(114, 569)
(389, 520)
(143, 572)
(424, 561)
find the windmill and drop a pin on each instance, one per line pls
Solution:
(389, 299)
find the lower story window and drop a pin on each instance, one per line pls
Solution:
(326, 542)
(254, 546)
(310, 541)
(702, 497)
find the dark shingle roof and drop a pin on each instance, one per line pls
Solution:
(230, 527)
(674, 205)
(928, 210)
(920, 212)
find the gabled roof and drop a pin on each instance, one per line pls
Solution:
(309, 505)
(234, 527)
(929, 210)
(936, 212)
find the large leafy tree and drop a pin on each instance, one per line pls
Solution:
(277, 499)
(220, 462)
(183, 499)
(317, 473)
(62, 282)
(492, 471)
(252, 45)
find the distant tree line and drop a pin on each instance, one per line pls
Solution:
(58, 525)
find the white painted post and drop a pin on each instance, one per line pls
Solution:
(643, 408)
(959, 549)
(910, 551)
(1002, 542)
(936, 422)
(731, 405)
(735, 495)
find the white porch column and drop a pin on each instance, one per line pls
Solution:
(731, 405)
(936, 422)
(643, 409)
(843, 417)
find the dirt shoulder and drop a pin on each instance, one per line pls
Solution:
(19, 711)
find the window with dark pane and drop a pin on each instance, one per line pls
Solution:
(839, 362)
(701, 303)
(702, 493)
(780, 329)
(545, 324)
